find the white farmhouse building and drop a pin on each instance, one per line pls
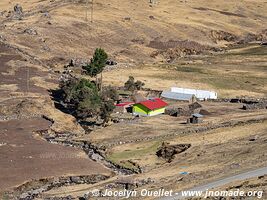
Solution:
(185, 94)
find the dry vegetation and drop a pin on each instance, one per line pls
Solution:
(140, 37)
(126, 29)
(238, 72)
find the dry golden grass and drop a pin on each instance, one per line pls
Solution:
(213, 155)
(238, 72)
(69, 35)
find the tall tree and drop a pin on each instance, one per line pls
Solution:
(97, 64)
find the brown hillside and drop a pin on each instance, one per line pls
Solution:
(56, 30)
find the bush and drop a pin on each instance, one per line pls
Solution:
(131, 85)
(109, 93)
(82, 95)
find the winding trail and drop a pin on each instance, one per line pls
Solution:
(215, 184)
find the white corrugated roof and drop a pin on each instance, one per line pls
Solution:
(176, 96)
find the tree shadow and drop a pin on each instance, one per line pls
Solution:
(57, 97)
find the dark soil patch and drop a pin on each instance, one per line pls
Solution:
(21, 73)
(24, 157)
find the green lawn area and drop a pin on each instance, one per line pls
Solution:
(122, 157)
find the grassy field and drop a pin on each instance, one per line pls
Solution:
(238, 72)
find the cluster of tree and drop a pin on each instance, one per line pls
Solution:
(85, 97)
(133, 85)
(88, 98)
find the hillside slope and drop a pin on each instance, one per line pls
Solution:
(129, 30)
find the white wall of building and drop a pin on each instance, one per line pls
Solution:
(200, 94)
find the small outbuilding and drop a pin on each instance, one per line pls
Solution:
(150, 107)
(195, 119)
(124, 107)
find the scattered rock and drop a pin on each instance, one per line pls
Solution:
(46, 14)
(253, 138)
(45, 48)
(2, 13)
(111, 62)
(235, 100)
(18, 9)
(18, 12)
(30, 31)
(2, 38)
(127, 18)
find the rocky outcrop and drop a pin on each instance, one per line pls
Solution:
(254, 37)
(168, 152)
(172, 50)
(219, 35)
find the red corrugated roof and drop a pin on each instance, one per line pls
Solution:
(124, 104)
(153, 104)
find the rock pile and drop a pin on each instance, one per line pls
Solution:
(30, 31)
(176, 112)
(252, 37)
(218, 35)
(254, 106)
(171, 50)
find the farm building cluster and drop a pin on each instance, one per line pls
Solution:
(153, 105)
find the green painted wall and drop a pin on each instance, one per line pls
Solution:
(157, 111)
(139, 109)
